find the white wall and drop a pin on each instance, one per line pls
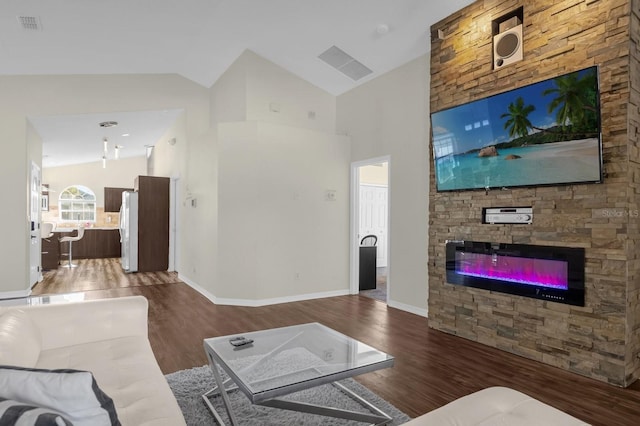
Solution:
(170, 153)
(198, 248)
(260, 178)
(229, 93)
(118, 173)
(269, 86)
(299, 244)
(252, 87)
(278, 235)
(389, 116)
(24, 96)
(170, 159)
(14, 166)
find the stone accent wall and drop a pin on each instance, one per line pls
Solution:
(601, 339)
(633, 246)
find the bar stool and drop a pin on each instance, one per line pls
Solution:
(70, 240)
(46, 230)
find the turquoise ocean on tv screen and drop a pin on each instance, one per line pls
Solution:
(551, 163)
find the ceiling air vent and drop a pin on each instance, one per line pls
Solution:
(30, 23)
(344, 63)
(108, 124)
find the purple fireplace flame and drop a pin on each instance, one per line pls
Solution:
(521, 270)
(550, 273)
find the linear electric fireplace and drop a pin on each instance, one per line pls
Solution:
(542, 272)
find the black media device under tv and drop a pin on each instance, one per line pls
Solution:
(546, 133)
(542, 272)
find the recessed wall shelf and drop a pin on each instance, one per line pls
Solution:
(505, 215)
(507, 33)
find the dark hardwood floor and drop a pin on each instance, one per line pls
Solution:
(96, 274)
(431, 367)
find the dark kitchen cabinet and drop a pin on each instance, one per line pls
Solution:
(50, 252)
(153, 223)
(95, 244)
(113, 198)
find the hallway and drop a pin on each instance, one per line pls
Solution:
(380, 292)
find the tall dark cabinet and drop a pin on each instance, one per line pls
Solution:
(153, 223)
(113, 198)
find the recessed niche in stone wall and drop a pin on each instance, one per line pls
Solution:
(507, 31)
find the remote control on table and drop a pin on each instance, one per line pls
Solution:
(240, 341)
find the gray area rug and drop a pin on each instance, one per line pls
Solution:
(189, 385)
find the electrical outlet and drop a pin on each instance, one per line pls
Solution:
(330, 195)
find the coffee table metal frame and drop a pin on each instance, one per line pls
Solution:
(270, 396)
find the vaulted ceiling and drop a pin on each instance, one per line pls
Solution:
(200, 39)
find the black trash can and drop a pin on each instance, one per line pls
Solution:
(368, 254)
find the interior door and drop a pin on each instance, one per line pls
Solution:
(373, 217)
(35, 257)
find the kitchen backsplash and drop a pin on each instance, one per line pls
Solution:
(103, 220)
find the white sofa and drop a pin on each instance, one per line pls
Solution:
(107, 337)
(496, 406)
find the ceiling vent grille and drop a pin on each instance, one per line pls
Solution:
(30, 23)
(344, 63)
(108, 124)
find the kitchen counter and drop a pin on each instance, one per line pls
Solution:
(75, 228)
(96, 243)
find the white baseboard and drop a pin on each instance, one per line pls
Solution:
(276, 300)
(14, 294)
(408, 308)
(296, 298)
(197, 288)
(260, 302)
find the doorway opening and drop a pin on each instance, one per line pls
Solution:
(370, 263)
(35, 207)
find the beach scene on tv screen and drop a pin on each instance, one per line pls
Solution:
(542, 134)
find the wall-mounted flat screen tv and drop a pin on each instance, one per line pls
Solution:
(546, 133)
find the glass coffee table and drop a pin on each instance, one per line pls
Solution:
(270, 364)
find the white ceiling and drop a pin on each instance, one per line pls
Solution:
(200, 39)
(78, 139)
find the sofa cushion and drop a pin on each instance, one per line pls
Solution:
(73, 393)
(14, 413)
(496, 406)
(127, 371)
(109, 338)
(21, 340)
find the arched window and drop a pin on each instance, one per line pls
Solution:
(77, 203)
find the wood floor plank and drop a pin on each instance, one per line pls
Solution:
(97, 274)
(431, 368)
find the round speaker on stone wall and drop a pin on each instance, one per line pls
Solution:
(507, 47)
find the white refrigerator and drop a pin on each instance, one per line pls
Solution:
(129, 231)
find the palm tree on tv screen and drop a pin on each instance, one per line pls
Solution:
(575, 100)
(518, 124)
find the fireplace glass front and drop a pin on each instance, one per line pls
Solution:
(542, 272)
